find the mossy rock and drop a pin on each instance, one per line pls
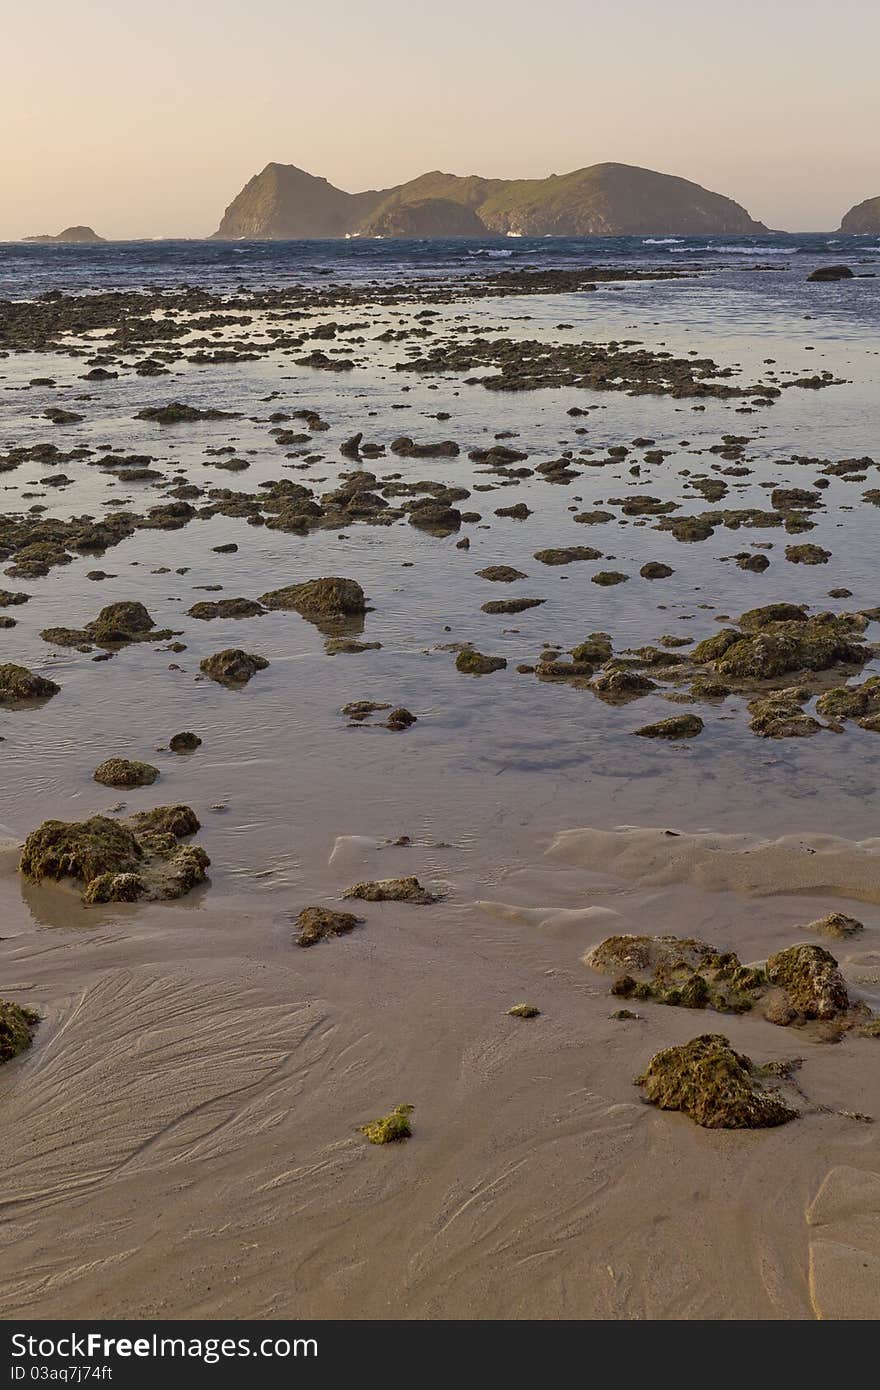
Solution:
(607, 578)
(617, 683)
(679, 971)
(472, 663)
(779, 715)
(676, 727)
(185, 742)
(813, 645)
(566, 555)
(501, 574)
(390, 1128)
(18, 685)
(119, 861)
(392, 890)
(226, 608)
(812, 981)
(124, 772)
(654, 569)
(316, 923)
(836, 925)
(232, 667)
(319, 600)
(851, 701)
(17, 1025)
(715, 1086)
(594, 649)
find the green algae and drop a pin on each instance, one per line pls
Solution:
(390, 1128)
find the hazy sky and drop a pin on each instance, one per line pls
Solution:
(146, 119)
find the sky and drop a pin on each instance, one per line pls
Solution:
(145, 120)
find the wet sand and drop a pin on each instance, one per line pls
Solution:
(183, 1132)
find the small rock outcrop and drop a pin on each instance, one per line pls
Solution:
(715, 1086)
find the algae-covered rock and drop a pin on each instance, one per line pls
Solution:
(594, 649)
(17, 1025)
(320, 601)
(812, 981)
(119, 861)
(232, 666)
(501, 574)
(606, 578)
(391, 1127)
(19, 685)
(123, 772)
(316, 923)
(716, 1086)
(779, 714)
(185, 742)
(566, 555)
(226, 608)
(654, 569)
(399, 719)
(117, 625)
(523, 1011)
(473, 663)
(813, 644)
(851, 701)
(836, 925)
(678, 726)
(807, 555)
(679, 971)
(392, 890)
(618, 683)
(80, 849)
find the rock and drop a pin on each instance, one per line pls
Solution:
(812, 982)
(523, 1011)
(392, 890)
(17, 1025)
(177, 413)
(501, 574)
(406, 448)
(716, 1086)
(678, 971)
(678, 726)
(12, 597)
(119, 861)
(390, 1128)
(812, 644)
(807, 555)
(655, 570)
(185, 742)
(320, 601)
(621, 684)
(400, 718)
(472, 663)
(836, 925)
(595, 648)
(232, 667)
(122, 772)
(608, 577)
(359, 710)
(567, 555)
(831, 272)
(755, 563)
(339, 646)
(851, 701)
(19, 685)
(779, 715)
(226, 608)
(511, 605)
(316, 923)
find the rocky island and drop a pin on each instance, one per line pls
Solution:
(863, 218)
(603, 200)
(70, 234)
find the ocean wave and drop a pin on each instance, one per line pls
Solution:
(485, 251)
(659, 240)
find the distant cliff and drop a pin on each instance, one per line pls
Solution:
(603, 200)
(69, 234)
(864, 217)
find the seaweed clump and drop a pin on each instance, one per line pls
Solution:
(715, 1086)
(388, 1129)
(16, 1029)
